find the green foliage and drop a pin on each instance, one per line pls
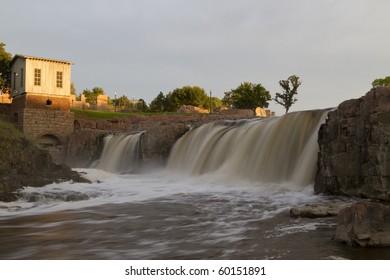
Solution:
(381, 82)
(186, 95)
(72, 89)
(290, 88)
(144, 106)
(91, 96)
(123, 104)
(247, 96)
(5, 68)
(159, 104)
(216, 102)
(9, 132)
(122, 101)
(96, 115)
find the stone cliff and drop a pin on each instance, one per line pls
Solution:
(354, 156)
(22, 164)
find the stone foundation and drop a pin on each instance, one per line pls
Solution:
(47, 129)
(42, 101)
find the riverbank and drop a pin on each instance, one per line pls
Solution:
(22, 164)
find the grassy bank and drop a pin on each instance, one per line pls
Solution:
(90, 114)
(9, 131)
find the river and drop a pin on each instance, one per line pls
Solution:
(225, 193)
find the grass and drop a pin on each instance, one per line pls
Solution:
(8, 130)
(9, 135)
(90, 114)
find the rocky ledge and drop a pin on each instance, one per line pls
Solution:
(354, 156)
(319, 210)
(21, 164)
(364, 224)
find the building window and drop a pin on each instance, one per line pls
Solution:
(59, 79)
(37, 77)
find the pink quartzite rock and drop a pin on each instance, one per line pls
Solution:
(364, 224)
(354, 148)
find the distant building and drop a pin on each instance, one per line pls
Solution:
(264, 113)
(5, 98)
(40, 88)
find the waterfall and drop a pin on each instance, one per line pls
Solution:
(274, 150)
(120, 153)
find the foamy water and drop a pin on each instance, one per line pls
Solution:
(107, 188)
(157, 215)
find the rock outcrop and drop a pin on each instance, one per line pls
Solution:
(354, 156)
(318, 210)
(364, 224)
(22, 164)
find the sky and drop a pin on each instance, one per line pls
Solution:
(138, 48)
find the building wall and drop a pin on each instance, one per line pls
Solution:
(42, 111)
(18, 76)
(23, 75)
(41, 101)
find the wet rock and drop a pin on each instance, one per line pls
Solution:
(364, 224)
(354, 156)
(318, 210)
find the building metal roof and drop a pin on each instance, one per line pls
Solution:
(40, 58)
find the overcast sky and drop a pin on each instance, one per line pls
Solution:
(141, 47)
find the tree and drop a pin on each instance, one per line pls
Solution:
(247, 96)
(159, 103)
(91, 96)
(143, 105)
(187, 95)
(290, 87)
(216, 102)
(381, 82)
(5, 69)
(72, 89)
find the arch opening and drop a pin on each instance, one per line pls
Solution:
(48, 141)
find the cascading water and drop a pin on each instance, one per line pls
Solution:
(120, 153)
(274, 150)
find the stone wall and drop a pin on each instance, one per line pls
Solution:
(36, 123)
(354, 157)
(47, 129)
(161, 132)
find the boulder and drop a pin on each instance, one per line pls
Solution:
(364, 224)
(354, 148)
(318, 210)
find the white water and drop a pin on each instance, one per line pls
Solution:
(120, 153)
(274, 150)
